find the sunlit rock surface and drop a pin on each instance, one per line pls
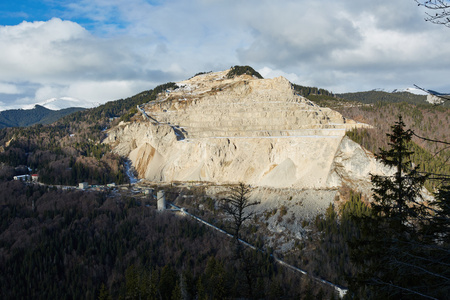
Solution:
(244, 129)
(221, 131)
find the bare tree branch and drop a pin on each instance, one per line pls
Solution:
(430, 140)
(378, 281)
(420, 268)
(441, 11)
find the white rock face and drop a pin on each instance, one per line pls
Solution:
(244, 129)
(353, 165)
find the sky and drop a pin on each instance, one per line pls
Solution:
(102, 50)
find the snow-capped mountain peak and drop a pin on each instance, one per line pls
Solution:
(411, 90)
(63, 102)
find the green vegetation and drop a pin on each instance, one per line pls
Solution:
(322, 97)
(425, 120)
(241, 70)
(423, 158)
(201, 73)
(306, 91)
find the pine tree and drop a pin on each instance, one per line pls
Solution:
(395, 196)
(383, 250)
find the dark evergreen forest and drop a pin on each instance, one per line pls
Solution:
(89, 245)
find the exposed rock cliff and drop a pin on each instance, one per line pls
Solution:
(243, 129)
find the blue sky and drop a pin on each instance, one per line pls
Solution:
(101, 50)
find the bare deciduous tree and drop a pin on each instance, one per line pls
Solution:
(236, 206)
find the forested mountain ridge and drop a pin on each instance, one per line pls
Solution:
(89, 245)
(372, 97)
(329, 99)
(37, 115)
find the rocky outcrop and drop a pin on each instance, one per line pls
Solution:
(352, 166)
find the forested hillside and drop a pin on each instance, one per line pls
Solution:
(322, 97)
(37, 115)
(78, 245)
(372, 97)
(329, 99)
(428, 121)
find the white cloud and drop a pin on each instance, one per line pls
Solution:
(47, 92)
(37, 50)
(267, 72)
(348, 44)
(7, 88)
(106, 90)
(61, 59)
(126, 46)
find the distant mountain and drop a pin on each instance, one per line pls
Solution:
(62, 103)
(411, 90)
(37, 115)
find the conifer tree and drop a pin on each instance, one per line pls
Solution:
(395, 196)
(383, 250)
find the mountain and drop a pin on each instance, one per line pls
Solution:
(218, 130)
(412, 90)
(37, 115)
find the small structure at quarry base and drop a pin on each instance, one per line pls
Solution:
(220, 130)
(161, 201)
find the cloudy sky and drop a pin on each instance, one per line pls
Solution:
(101, 50)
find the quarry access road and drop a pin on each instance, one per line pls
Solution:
(339, 289)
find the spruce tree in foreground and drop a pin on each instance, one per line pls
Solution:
(394, 253)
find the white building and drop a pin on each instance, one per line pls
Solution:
(83, 185)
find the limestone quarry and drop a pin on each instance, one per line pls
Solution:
(218, 130)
